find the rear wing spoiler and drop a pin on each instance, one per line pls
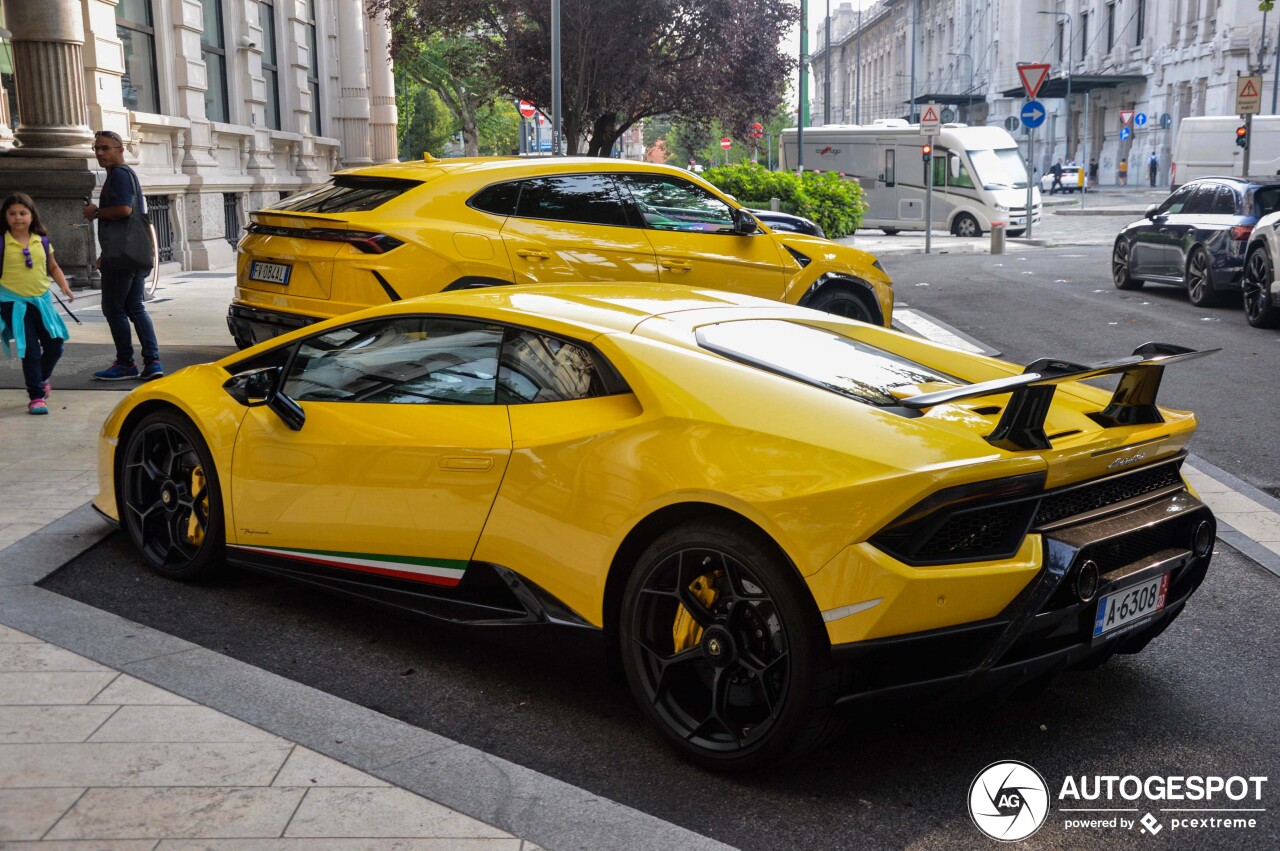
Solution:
(1021, 425)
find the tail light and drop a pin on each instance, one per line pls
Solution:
(1241, 232)
(368, 243)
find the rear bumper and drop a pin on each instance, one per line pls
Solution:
(1048, 628)
(254, 325)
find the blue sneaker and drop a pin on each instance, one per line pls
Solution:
(118, 371)
(152, 369)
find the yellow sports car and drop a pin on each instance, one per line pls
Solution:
(385, 233)
(769, 511)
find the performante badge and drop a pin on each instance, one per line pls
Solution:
(1008, 801)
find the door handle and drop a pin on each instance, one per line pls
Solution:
(531, 254)
(676, 265)
(467, 463)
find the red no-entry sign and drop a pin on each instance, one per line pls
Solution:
(527, 109)
(725, 143)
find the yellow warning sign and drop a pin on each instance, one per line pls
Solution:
(1248, 95)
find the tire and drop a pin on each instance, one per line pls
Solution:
(750, 682)
(241, 343)
(1199, 279)
(892, 231)
(1256, 286)
(170, 499)
(965, 225)
(841, 302)
(1120, 268)
(1014, 233)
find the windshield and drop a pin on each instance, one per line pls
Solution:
(1001, 168)
(818, 357)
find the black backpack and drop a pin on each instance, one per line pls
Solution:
(48, 258)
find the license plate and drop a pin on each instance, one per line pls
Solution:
(1122, 608)
(270, 273)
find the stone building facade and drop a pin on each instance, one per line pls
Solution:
(224, 106)
(1175, 58)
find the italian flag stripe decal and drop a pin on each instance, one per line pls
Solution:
(435, 571)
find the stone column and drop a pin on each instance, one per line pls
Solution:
(382, 118)
(353, 105)
(48, 40)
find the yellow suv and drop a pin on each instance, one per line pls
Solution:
(389, 232)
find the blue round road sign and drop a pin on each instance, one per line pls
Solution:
(1125, 133)
(1140, 119)
(1033, 113)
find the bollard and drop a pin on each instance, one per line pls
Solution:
(997, 237)
(775, 204)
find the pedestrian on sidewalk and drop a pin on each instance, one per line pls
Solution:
(1093, 172)
(1056, 171)
(124, 285)
(1124, 171)
(28, 317)
(1153, 165)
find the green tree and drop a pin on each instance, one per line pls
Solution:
(425, 123)
(454, 67)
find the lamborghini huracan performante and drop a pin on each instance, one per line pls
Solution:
(769, 513)
(384, 233)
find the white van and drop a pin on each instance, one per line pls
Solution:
(978, 174)
(1206, 147)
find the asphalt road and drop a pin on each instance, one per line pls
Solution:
(1200, 700)
(1061, 303)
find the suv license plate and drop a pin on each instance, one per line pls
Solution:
(1124, 607)
(270, 273)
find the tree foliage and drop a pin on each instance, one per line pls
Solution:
(621, 60)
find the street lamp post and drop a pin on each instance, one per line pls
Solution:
(857, 78)
(555, 78)
(826, 88)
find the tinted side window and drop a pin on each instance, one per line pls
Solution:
(1201, 203)
(541, 368)
(499, 199)
(417, 360)
(588, 198)
(1266, 200)
(1175, 203)
(346, 194)
(669, 203)
(1227, 202)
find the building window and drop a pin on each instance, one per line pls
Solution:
(1084, 35)
(1111, 26)
(1062, 39)
(158, 207)
(213, 52)
(231, 217)
(1142, 23)
(267, 20)
(134, 28)
(313, 70)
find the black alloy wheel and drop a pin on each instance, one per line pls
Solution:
(965, 225)
(841, 302)
(724, 650)
(1256, 286)
(170, 500)
(1120, 267)
(1199, 280)
(892, 231)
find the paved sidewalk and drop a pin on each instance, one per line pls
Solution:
(117, 736)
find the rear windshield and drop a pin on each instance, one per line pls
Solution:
(346, 194)
(818, 357)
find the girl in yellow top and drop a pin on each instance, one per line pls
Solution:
(27, 314)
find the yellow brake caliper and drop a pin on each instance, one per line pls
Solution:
(685, 632)
(195, 529)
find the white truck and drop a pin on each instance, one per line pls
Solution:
(978, 174)
(1206, 147)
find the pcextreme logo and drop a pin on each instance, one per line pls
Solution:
(1010, 801)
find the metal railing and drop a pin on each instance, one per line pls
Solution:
(158, 207)
(231, 217)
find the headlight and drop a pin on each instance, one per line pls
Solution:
(1002, 208)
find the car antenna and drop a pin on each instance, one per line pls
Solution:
(427, 158)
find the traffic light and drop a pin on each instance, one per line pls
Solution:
(1242, 136)
(926, 152)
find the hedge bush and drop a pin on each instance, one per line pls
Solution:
(827, 198)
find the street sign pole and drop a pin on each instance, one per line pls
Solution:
(1031, 146)
(1248, 135)
(928, 200)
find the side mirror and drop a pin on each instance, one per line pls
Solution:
(1151, 211)
(744, 224)
(257, 387)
